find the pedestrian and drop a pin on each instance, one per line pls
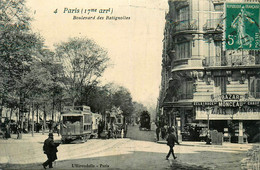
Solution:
(7, 131)
(163, 132)
(18, 131)
(50, 149)
(171, 140)
(122, 133)
(157, 133)
(58, 128)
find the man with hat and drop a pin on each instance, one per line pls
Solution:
(171, 140)
(50, 149)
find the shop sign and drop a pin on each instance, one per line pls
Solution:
(228, 113)
(242, 26)
(204, 103)
(230, 96)
(227, 103)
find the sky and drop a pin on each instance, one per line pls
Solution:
(134, 45)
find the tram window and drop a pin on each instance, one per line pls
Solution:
(71, 119)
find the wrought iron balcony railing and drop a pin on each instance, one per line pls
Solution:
(213, 25)
(185, 25)
(231, 60)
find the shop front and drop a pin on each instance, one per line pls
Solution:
(235, 113)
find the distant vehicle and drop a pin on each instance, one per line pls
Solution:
(76, 124)
(145, 121)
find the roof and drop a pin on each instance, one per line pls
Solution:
(71, 114)
(74, 113)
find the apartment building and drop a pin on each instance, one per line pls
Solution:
(211, 66)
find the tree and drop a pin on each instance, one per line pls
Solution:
(123, 99)
(84, 62)
(17, 46)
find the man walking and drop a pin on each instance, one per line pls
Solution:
(171, 140)
(50, 149)
(157, 133)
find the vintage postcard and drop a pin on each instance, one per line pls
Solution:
(130, 84)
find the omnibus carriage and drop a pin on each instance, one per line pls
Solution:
(76, 124)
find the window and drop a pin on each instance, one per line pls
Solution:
(183, 50)
(183, 14)
(220, 85)
(218, 46)
(218, 7)
(254, 87)
(218, 52)
(186, 90)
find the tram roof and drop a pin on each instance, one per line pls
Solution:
(74, 113)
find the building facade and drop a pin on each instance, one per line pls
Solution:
(211, 66)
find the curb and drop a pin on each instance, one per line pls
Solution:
(200, 144)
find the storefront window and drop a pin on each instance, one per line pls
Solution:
(254, 86)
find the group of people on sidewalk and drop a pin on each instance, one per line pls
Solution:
(163, 132)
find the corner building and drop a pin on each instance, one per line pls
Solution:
(211, 67)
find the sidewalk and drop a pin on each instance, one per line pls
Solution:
(203, 144)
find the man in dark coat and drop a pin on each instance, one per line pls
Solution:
(157, 133)
(171, 140)
(50, 149)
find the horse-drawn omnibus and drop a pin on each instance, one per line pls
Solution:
(76, 123)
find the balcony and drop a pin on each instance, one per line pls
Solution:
(231, 60)
(183, 61)
(213, 25)
(185, 25)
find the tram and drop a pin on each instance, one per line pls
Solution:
(145, 121)
(76, 124)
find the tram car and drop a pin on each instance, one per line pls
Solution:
(76, 124)
(145, 121)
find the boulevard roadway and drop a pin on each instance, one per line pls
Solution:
(120, 154)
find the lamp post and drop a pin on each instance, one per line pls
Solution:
(208, 109)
